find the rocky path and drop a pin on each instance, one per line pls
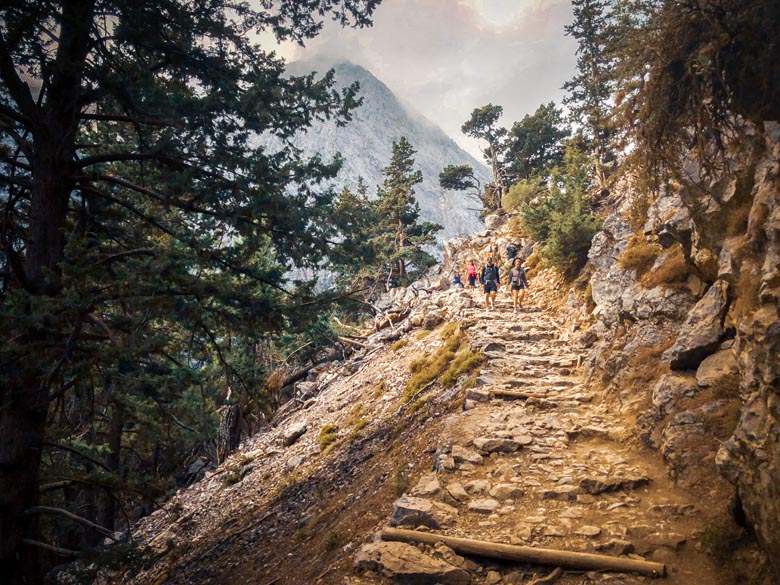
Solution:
(551, 469)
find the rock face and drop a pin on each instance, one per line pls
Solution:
(366, 142)
(702, 330)
(717, 327)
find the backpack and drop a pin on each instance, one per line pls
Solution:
(518, 276)
(490, 274)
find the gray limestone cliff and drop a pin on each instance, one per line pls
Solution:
(366, 144)
(682, 318)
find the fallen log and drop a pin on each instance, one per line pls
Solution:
(351, 341)
(516, 394)
(527, 554)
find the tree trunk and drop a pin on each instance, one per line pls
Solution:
(22, 425)
(25, 399)
(229, 435)
(106, 515)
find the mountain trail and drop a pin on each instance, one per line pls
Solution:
(548, 470)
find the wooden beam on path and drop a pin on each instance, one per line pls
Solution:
(527, 554)
(516, 394)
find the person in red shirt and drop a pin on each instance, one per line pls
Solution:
(471, 274)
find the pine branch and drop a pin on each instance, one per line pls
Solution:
(65, 552)
(79, 519)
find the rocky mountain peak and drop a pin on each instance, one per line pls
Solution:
(366, 143)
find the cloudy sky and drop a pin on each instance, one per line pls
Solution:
(446, 57)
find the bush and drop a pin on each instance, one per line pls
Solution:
(639, 255)
(569, 241)
(562, 222)
(520, 193)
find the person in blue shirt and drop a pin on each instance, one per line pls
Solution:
(456, 279)
(491, 281)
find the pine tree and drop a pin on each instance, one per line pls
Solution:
(401, 237)
(591, 88)
(143, 233)
(483, 125)
(536, 142)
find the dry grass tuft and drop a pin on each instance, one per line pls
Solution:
(639, 255)
(401, 343)
(450, 361)
(672, 270)
(465, 362)
(327, 437)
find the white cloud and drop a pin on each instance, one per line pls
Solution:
(446, 57)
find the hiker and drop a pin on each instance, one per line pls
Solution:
(511, 251)
(471, 274)
(518, 281)
(490, 279)
(456, 281)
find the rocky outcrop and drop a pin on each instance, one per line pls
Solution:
(702, 330)
(718, 331)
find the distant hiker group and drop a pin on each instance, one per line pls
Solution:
(489, 276)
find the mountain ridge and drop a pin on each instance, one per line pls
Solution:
(366, 143)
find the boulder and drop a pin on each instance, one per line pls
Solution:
(494, 221)
(670, 388)
(306, 390)
(599, 485)
(504, 491)
(294, 432)
(462, 455)
(432, 319)
(478, 486)
(427, 486)
(496, 445)
(484, 506)
(413, 512)
(669, 217)
(405, 563)
(727, 264)
(720, 370)
(457, 491)
(701, 332)
(676, 440)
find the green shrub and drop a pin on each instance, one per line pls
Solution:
(521, 192)
(569, 240)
